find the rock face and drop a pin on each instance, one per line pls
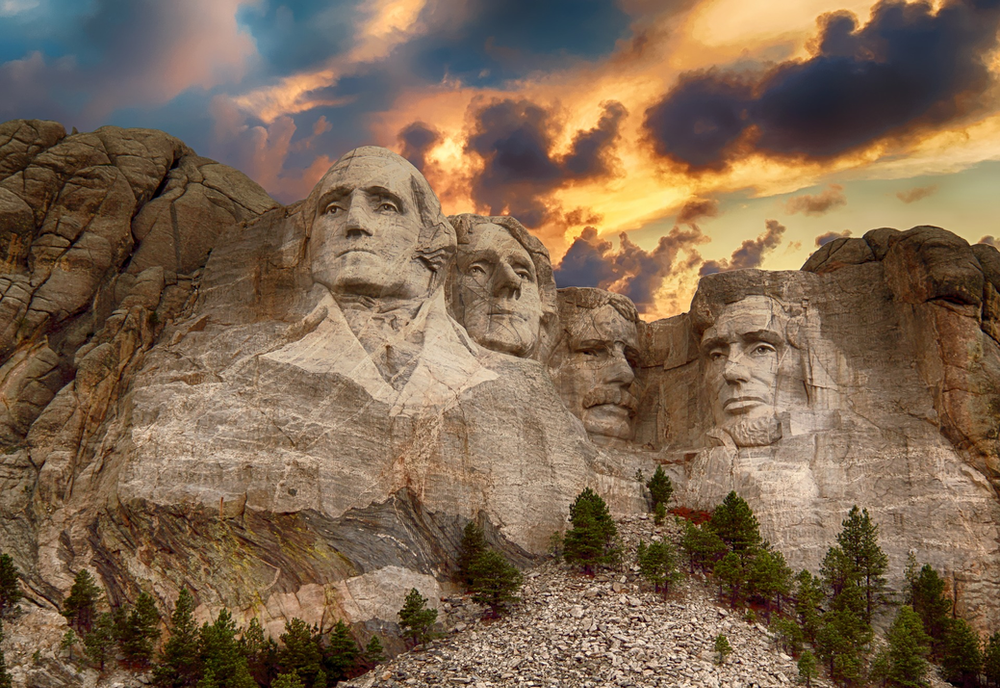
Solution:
(294, 411)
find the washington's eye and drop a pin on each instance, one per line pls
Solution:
(333, 209)
(386, 206)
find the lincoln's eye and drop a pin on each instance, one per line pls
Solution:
(762, 350)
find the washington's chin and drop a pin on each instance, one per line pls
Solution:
(608, 420)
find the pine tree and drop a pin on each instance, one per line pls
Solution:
(374, 652)
(878, 670)
(788, 634)
(300, 651)
(991, 661)
(658, 565)
(137, 629)
(660, 488)
(415, 619)
(702, 545)
(178, 663)
(962, 659)
(288, 680)
(80, 607)
(261, 652)
(590, 543)
(321, 680)
(734, 522)
(207, 680)
(908, 648)
(844, 635)
(99, 644)
(807, 667)
(69, 639)
(5, 677)
(808, 598)
(731, 576)
(859, 542)
(930, 603)
(341, 653)
(219, 650)
(722, 648)
(473, 544)
(768, 578)
(495, 581)
(10, 590)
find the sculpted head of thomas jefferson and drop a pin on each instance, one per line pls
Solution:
(376, 229)
(502, 288)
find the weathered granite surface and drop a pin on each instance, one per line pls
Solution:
(294, 410)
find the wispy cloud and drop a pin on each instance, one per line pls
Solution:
(916, 194)
(818, 204)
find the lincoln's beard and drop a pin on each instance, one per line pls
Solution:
(754, 432)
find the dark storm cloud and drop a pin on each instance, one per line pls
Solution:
(514, 140)
(818, 204)
(909, 69)
(751, 253)
(418, 138)
(631, 270)
(826, 238)
(300, 35)
(916, 194)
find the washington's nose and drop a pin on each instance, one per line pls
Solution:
(357, 223)
(506, 282)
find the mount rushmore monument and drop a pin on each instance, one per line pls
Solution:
(295, 410)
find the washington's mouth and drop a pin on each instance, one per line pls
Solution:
(355, 250)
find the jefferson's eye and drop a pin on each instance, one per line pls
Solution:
(477, 269)
(524, 274)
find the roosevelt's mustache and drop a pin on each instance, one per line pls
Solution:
(610, 395)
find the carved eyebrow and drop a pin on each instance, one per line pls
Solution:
(714, 343)
(340, 192)
(768, 336)
(334, 194)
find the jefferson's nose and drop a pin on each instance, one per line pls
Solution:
(506, 282)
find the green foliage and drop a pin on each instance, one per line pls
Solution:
(99, 644)
(207, 680)
(473, 544)
(991, 661)
(137, 629)
(962, 658)
(288, 680)
(660, 488)
(878, 670)
(69, 639)
(300, 651)
(590, 543)
(321, 680)
(908, 648)
(808, 669)
(220, 652)
(658, 565)
(858, 540)
(788, 634)
(10, 590)
(415, 618)
(659, 513)
(80, 607)
(374, 653)
(5, 678)
(729, 573)
(734, 522)
(702, 545)
(808, 598)
(340, 654)
(928, 600)
(261, 652)
(495, 581)
(768, 578)
(722, 648)
(844, 635)
(178, 663)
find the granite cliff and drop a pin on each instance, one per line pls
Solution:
(294, 410)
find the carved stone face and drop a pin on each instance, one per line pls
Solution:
(365, 231)
(499, 291)
(743, 350)
(594, 371)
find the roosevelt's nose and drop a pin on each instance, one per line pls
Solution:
(358, 222)
(618, 371)
(506, 282)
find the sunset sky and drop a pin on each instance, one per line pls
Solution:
(645, 142)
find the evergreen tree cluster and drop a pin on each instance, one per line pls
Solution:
(486, 573)
(592, 542)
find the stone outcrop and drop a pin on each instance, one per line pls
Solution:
(295, 410)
